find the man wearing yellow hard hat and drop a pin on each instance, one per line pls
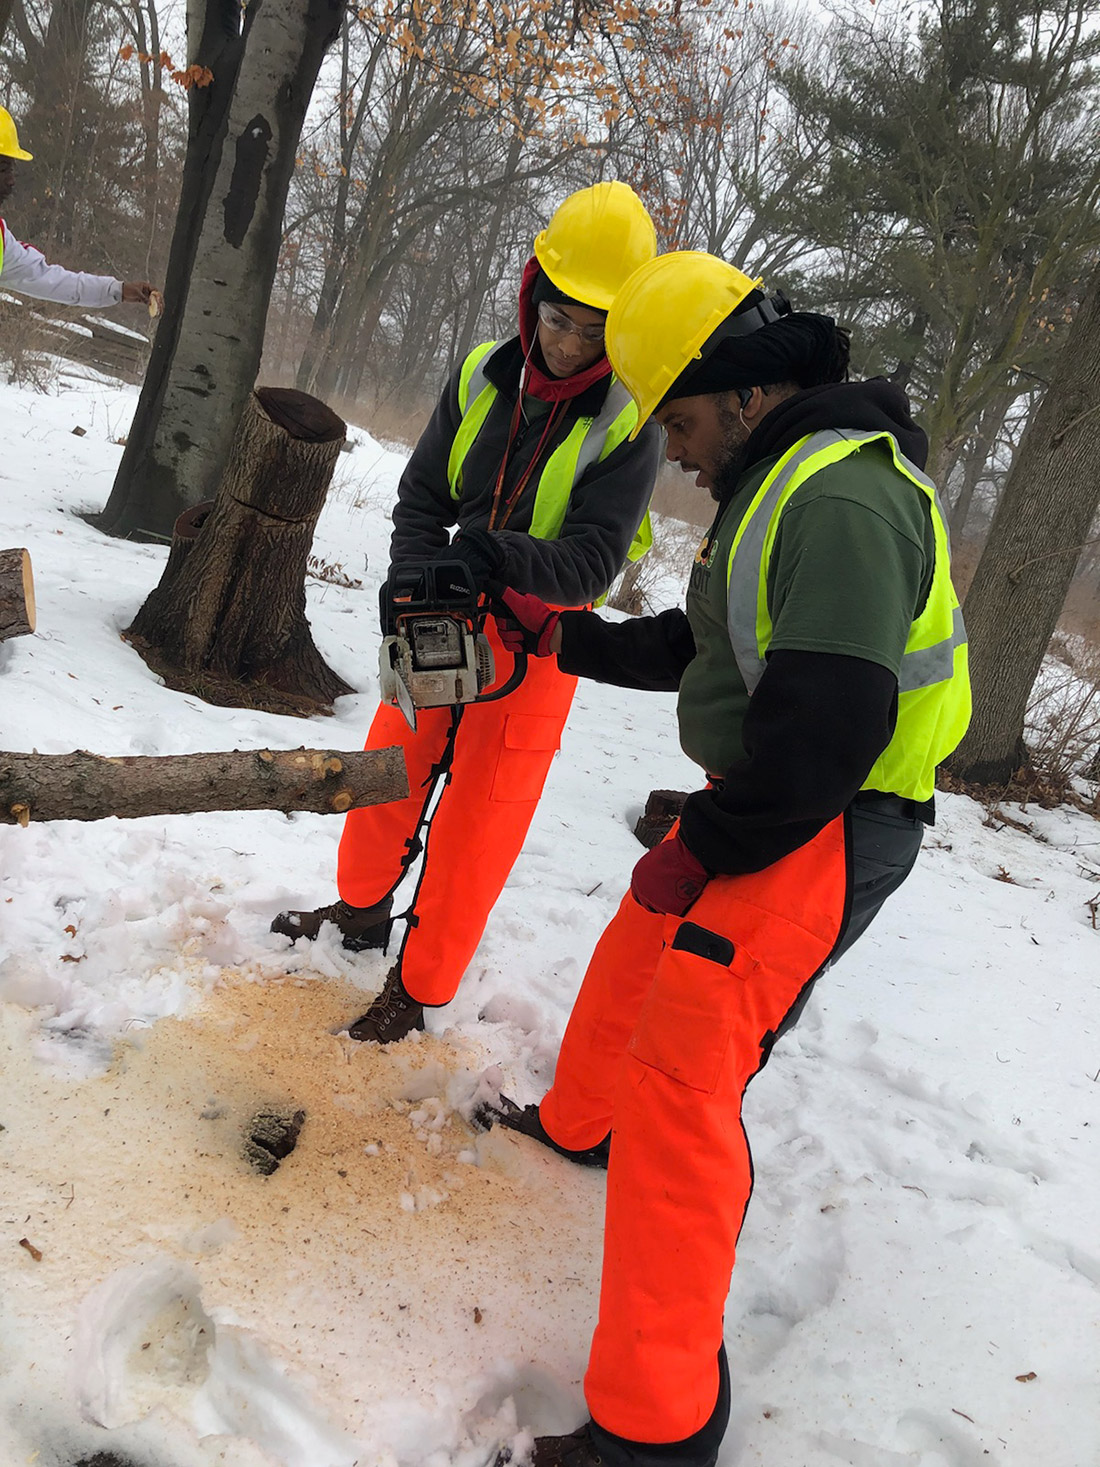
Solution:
(27, 271)
(821, 673)
(535, 462)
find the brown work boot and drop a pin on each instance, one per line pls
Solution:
(362, 927)
(392, 1015)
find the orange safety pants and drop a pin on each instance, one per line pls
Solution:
(502, 755)
(660, 1046)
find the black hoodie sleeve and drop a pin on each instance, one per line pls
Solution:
(815, 726)
(647, 652)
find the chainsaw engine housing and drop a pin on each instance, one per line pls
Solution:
(434, 654)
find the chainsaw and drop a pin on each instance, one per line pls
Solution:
(435, 653)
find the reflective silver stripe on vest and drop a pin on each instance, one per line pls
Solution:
(477, 383)
(616, 400)
(935, 664)
(745, 571)
(918, 669)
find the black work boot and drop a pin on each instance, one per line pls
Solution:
(392, 1015)
(575, 1450)
(362, 927)
(593, 1446)
(526, 1120)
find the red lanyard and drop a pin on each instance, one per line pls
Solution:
(553, 418)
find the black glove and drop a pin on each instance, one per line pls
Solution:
(480, 551)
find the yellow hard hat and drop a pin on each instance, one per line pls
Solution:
(9, 139)
(597, 239)
(667, 313)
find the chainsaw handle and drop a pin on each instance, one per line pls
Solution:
(519, 672)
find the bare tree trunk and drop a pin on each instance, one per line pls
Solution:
(16, 594)
(188, 432)
(350, 335)
(83, 786)
(479, 285)
(5, 16)
(57, 122)
(1036, 538)
(228, 620)
(141, 498)
(974, 459)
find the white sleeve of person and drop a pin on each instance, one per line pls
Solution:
(27, 271)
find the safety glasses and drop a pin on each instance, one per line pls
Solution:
(562, 325)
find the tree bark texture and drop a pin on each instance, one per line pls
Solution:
(142, 496)
(83, 786)
(1040, 527)
(227, 267)
(16, 594)
(228, 620)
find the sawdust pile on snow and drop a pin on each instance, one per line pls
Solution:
(392, 1250)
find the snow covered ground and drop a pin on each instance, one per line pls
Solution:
(919, 1273)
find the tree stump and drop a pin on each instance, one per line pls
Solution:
(662, 810)
(16, 594)
(83, 786)
(227, 621)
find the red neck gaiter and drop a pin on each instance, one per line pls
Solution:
(538, 382)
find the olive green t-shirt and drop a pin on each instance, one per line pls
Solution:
(850, 571)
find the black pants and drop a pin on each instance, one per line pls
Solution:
(884, 838)
(886, 832)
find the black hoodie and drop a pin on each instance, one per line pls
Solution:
(816, 722)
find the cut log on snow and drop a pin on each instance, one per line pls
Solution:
(83, 786)
(227, 621)
(16, 594)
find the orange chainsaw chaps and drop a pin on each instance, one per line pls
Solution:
(679, 1036)
(502, 756)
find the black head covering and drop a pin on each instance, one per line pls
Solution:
(545, 290)
(795, 346)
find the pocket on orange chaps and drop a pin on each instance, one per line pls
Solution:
(530, 742)
(692, 1010)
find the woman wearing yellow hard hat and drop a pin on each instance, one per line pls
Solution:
(26, 270)
(532, 461)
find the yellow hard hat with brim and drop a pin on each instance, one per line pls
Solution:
(596, 240)
(670, 313)
(9, 139)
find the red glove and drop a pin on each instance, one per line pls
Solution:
(668, 878)
(529, 625)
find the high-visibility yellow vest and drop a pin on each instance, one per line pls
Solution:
(590, 441)
(934, 682)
